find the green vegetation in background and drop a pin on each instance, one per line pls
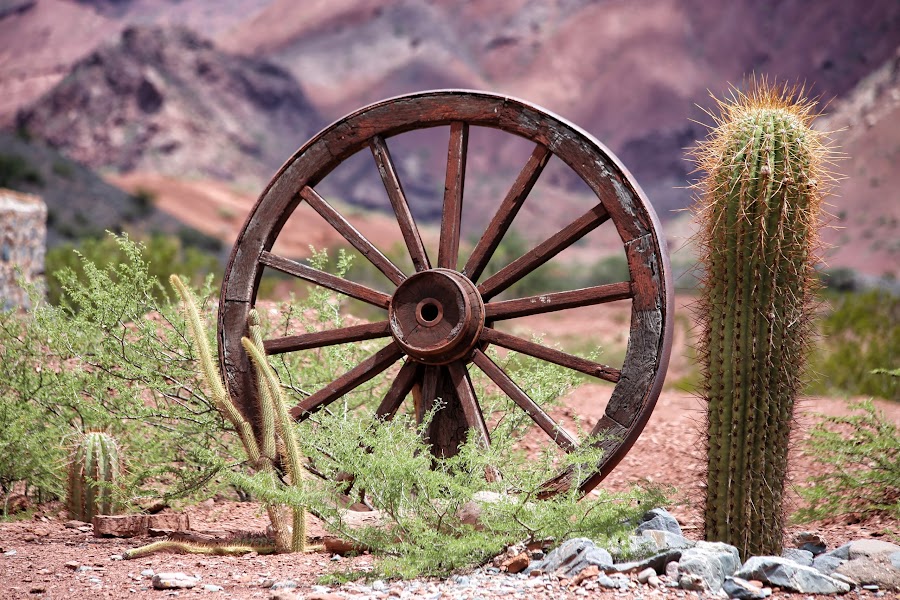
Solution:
(859, 332)
(112, 356)
(15, 171)
(163, 255)
(860, 454)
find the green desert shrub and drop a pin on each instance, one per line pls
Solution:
(163, 255)
(860, 454)
(858, 334)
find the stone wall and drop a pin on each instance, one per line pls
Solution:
(23, 234)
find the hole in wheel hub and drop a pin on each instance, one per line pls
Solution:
(436, 316)
(429, 312)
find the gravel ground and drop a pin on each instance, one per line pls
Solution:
(42, 558)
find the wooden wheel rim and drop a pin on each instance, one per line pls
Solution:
(640, 380)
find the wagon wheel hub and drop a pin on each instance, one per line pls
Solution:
(436, 316)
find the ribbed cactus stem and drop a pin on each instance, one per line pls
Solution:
(758, 211)
(275, 421)
(268, 380)
(211, 372)
(94, 469)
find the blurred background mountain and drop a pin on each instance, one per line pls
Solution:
(190, 106)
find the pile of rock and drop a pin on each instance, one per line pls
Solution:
(671, 560)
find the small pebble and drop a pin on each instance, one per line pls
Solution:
(147, 573)
(208, 587)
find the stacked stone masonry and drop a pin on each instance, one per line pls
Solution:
(23, 234)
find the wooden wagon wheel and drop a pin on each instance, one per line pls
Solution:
(439, 319)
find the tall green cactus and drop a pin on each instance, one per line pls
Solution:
(758, 210)
(94, 467)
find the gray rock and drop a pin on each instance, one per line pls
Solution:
(741, 589)
(712, 562)
(691, 581)
(173, 581)
(213, 588)
(613, 582)
(841, 552)
(659, 519)
(790, 576)
(851, 582)
(868, 548)
(872, 570)
(827, 563)
(666, 540)
(801, 557)
(894, 557)
(147, 573)
(572, 557)
(286, 584)
(645, 575)
(657, 562)
(811, 542)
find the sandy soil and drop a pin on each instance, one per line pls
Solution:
(666, 453)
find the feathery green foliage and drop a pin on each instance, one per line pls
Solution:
(425, 505)
(861, 453)
(765, 175)
(121, 362)
(94, 469)
(856, 339)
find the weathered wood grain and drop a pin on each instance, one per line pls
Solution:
(556, 301)
(330, 337)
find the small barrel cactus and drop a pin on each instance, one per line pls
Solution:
(758, 211)
(94, 469)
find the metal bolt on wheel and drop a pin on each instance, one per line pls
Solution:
(439, 320)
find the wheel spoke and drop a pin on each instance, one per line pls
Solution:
(460, 377)
(542, 352)
(543, 252)
(507, 212)
(542, 303)
(326, 280)
(555, 431)
(448, 248)
(319, 339)
(350, 233)
(349, 381)
(428, 392)
(401, 206)
(474, 418)
(402, 385)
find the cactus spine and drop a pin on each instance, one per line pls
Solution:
(276, 424)
(94, 470)
(758, 209)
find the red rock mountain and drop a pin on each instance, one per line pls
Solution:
(166, 100)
